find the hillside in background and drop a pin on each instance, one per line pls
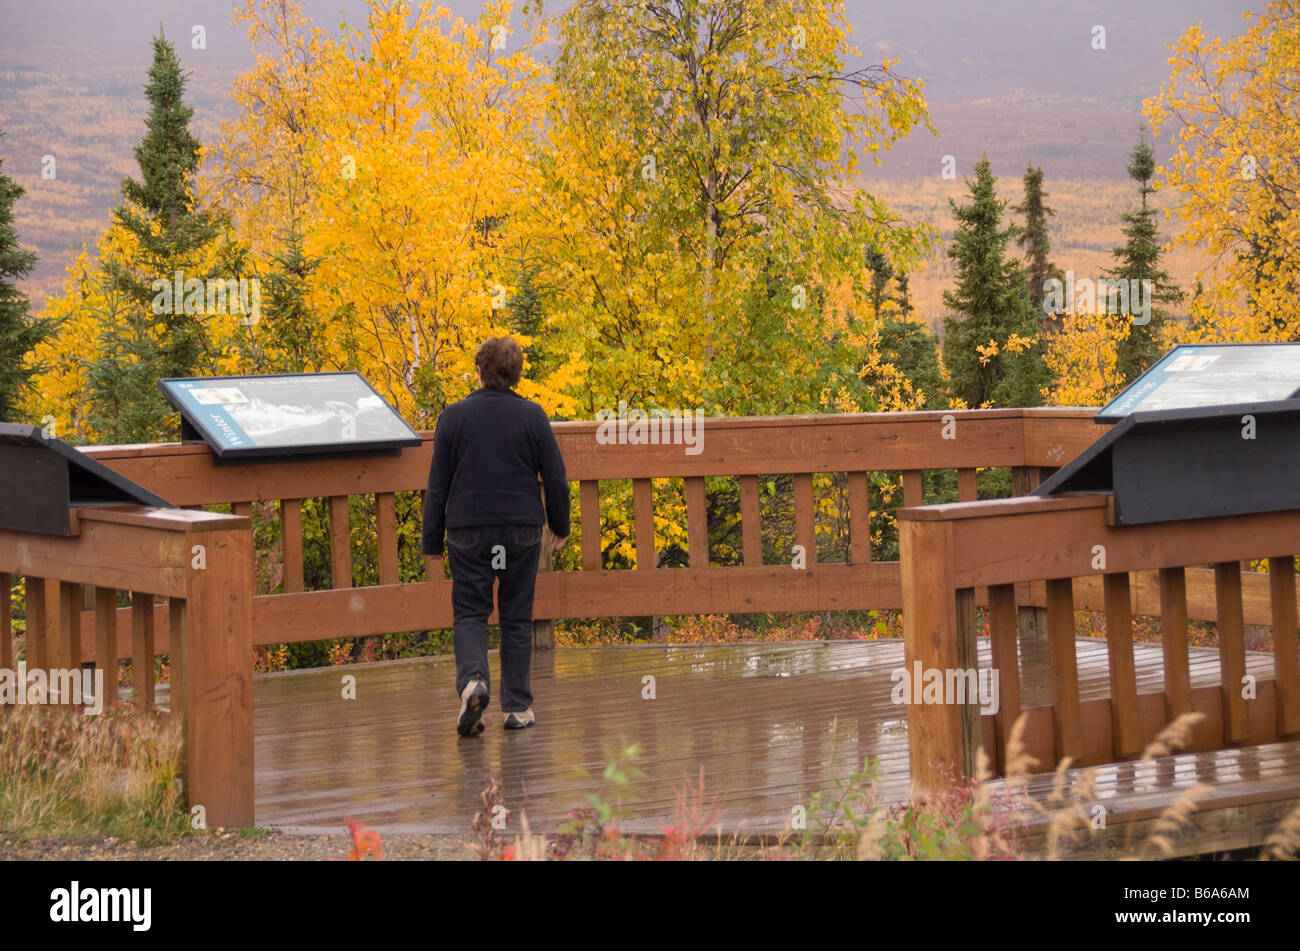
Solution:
(1018, 80)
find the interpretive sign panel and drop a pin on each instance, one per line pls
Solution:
(1224, 374)
(289, 414)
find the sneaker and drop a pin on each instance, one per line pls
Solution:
(520, 721)
(473, 700)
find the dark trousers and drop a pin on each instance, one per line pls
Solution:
(480, 555)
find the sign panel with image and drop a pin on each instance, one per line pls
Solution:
(289, 414)
(1223, 374)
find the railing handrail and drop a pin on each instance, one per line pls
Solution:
(127, 547)
(732, 446)
(1079, 522)
(168, 520)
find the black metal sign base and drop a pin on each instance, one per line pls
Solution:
(42, 478)
(1206, 462)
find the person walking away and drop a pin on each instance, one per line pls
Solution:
(489, 450)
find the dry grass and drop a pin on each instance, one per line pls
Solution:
(75, 776)
(1020, 763)
(1172, 821)
(1284, 844)
(1174, 737)
(1176, 817)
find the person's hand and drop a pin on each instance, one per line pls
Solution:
(557, 542)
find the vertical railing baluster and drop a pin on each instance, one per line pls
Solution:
(291, 540)
(912, 488)
(106, 640)
(1125, 740)
(1286, 643)
(1003, 638)
(340, 542)
(643, 514)
(386, 537)
(1232, 650)
(967, 485)
(1065, 670)
(142, 649)
(1173, 626)
(859, 517)
(697, 523)
(37, 624)
(805, 528)
(751, 528)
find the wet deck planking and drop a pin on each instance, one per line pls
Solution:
(770, 723)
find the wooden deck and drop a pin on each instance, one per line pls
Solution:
(770, 723)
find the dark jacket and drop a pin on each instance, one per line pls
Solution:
(488, 450)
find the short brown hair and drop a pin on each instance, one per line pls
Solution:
(500, 361)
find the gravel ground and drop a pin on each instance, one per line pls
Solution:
(222, 845)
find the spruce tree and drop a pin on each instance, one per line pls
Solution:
(293, 332)
(1139, 259)
(1035, 242)
(527, 316)
(881, 274)
(168, 233)
(909, 346)
(288, 320)
(989, 308)
(903, 296)
(19, 333)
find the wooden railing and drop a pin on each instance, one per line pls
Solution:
(201, 563)
(1029, 441)
(1067, 554)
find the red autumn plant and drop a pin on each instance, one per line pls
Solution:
(365, 841)
(958, 822)
(695, 815)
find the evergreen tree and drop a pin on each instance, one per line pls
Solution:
(527, 315)
(295, 330)
(19, 333)
(991, 346)
(124, 404)
(903, 297)
(1035, 242)
(1139, 259)
(910, 347)
(167, 233)
(881, 274)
